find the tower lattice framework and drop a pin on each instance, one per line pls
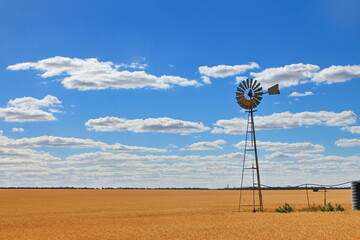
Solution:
(250, 147)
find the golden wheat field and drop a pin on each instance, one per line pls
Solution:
(170, 214)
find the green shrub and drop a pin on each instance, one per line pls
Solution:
(285, 209)
(327, 208)
(338, 207)
(330, 208)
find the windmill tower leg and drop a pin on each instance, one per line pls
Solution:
(256, 159)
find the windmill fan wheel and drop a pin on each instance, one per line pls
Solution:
(248, 94)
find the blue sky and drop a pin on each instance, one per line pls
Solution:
(142, 93)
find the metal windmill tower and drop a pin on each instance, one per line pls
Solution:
(248, 96)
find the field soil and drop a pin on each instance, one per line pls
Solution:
(171, 214)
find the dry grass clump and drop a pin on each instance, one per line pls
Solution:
(168, 214)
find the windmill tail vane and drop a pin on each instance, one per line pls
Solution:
(274, 90)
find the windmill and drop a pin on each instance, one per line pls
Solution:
(248, 96)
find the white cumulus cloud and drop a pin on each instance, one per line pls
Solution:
(90, 74)
(338, 73)
(299, 155)
(117, 147)
(17, 129)
(27, 109)
(285, 147)
(222, 71)
(296, 94)
(53, 110)
(33, 103)
(49, 141)
(239, 79)
(206, 79)
(11, 114)
(286, 76)
(203, 146)
(165, 125)
(69, 142)
(352, 129)
(108, 158)
(23, 153)
(348, 142)
(135, 65)
(286, 120)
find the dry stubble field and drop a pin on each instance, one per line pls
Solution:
(169, 214)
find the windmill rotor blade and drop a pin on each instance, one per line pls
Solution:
(241, 86)
(258, 95)
(258, 90)
(240, 90)
(243, 101)
(247, 102)
(239, 98)
(257, 102)
(254, 83)
(257, 86)
(242, 105)
(243, 83)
